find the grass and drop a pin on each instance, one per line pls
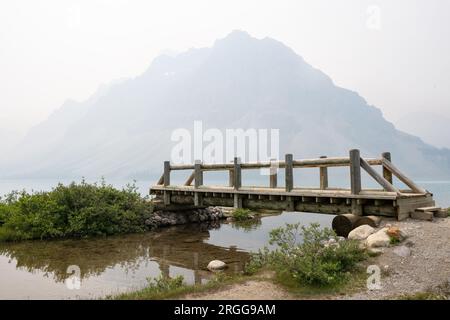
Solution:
(241, 214)
(77, 210)
(170, 288)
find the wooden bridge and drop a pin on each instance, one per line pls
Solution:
(388, 200)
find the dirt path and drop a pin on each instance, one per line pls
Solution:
(427, 268)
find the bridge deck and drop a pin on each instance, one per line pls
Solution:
(389, 201)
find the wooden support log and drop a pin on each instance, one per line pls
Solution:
(414, 187)
(344, 223)
(190, 179)
(355, 171)
(386, 173)
(198, 173)
(161, 180)
(378, 178)
(323, 176)
(372, 221)
(289, 173)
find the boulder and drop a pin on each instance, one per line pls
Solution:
(402, 251)
(361, 232)
(216, 265)
(378, 239)
(396, 233)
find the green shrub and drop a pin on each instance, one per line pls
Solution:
(306, 255)
(241, 214)
(76, 210)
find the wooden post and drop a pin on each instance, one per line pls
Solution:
(289, 173)
(355, 171)
(323, 176)
(386, 173)
(166, 173)
(273, 175)
(198, 173)
(237, 173)
(166, 182)
(231, 178)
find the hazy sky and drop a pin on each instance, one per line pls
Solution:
(395, 53)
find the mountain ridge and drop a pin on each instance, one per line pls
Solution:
(239, 82)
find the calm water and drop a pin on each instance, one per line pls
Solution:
(39, 269)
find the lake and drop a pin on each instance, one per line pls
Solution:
(104, 266)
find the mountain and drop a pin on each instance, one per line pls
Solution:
(239, 82)
(431, 127)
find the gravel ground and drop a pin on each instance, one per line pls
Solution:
(426, 269)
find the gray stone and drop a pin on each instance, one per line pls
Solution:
(216, 265)
(361, 232)
(402, 251)
(378, 239)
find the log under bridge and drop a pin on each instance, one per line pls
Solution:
(389, 200)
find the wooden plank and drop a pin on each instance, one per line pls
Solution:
(323, 176)
(386, 173)
(431, 209)
(378, 178)
(289, 173)
(414, 187)
(355, 171)
(166, 173)
(237, 173)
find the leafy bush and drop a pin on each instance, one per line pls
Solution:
(307, 255)
(241, 214)
(76, 210)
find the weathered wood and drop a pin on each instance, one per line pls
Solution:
(289, 173)
(373, 221)
(414, 187)
(231, 177)
(237, 173)
(304, 163)
(386, 173)
(237, 201)
(355, 171)
(323, 176)
(166, 173)
(343, 224)
(198, 173)
(273, 175)
(378, 178)
(190, 179)
(161, 180)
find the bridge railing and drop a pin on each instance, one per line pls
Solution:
(355, 162)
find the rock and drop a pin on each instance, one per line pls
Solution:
(375, 251)
(402, 251)
(378, 239)
(361, 232)
(340, 239)
(396, 233)
(216, 265)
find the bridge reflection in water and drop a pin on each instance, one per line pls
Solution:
(181, 246)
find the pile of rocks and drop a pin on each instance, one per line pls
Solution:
(172, 218)
(374, 239)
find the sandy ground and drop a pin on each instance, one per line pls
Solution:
(427, 268)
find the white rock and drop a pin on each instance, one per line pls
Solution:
(216, 265)
(378, 239)
(402, 251)
(361, 232)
